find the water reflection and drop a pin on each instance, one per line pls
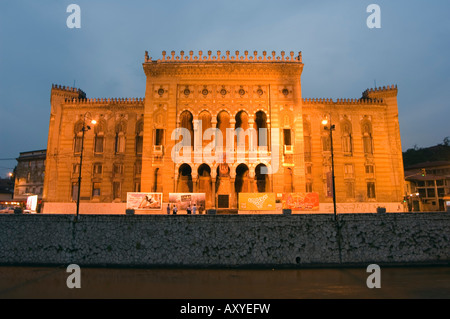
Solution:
(50, 282)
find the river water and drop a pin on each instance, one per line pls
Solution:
(105, 283)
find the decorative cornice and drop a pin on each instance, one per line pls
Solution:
(225, 58)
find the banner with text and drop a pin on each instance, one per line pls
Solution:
(301, 201)
(257, 201)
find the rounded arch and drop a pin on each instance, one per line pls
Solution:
(262, 180)
(139, 127)
(346, 135)
(121, 126)
(185, 109)
(78, 127)
(366, 127)
(184, 183)
(366, 130)
(242, 180)
(205, 119)
(223, 122)
(204, 170)
(261, 123)
(186, 121)
(100, 127)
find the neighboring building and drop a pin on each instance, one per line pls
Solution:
(30, 171)
(6, 190)
(130, 147)
(427, 185)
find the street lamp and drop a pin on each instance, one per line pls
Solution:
(83, 129)
(330, 127)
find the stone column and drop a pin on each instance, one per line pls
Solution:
(213, 190)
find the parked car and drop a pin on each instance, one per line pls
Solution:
(7, 210)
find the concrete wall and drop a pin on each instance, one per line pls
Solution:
(225, 240)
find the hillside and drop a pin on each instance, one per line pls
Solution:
(440, 152)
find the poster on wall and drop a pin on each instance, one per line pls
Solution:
(144, 201)
(183, 200)
(257, 201)
(31, 203)
(301, 201)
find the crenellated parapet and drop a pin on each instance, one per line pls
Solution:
(361, 101)
(106, 101)
(61, 89)
(380, 92)
(228, 57)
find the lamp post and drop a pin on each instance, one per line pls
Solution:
(331, 127)
(83, 129)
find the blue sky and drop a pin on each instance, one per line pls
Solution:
(342, 56)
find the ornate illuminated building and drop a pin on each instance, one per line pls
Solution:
(130, 147)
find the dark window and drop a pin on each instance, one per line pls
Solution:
(159, 136)
(96, 189)
(370, 190)
(287, 136)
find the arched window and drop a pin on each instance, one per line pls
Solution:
(205, 120)
(366, 127)
(157, 186)
(186, 119)
(78, 134)
(288, 180)
(346, 137)
(307, 139)
(261, 123)
(242, 123)
(139, 137)
(120, 138)
(223, 122)
(262, 180)
(185, 179)
(99, 139)
(241, 183)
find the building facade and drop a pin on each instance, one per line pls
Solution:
(29, 175)
(427, 185)
(242, 125)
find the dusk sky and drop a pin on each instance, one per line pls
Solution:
(342, 57)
